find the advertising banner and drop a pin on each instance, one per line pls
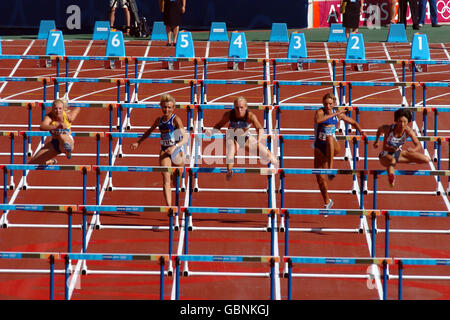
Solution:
(375, 13)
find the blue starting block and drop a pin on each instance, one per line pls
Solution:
(54, 47)
(237, 48)
(159, 31)
(185, 45)
(337, 33)
(279, 33)
(218, 32)
(183, 49)
(115, 47)
(356, 51)
(44, 27)
(101, 30)
(420, 50)
(397, 33)
(297, 50)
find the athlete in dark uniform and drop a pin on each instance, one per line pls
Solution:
(238, 135)
(413, 8)
(172, 11)
(351, 10)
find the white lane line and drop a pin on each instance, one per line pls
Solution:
(17, 65)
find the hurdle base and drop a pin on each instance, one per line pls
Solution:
(419, 67)
(298, 66)
(360, 67)
(113, 64)
(170, 65)
(236, 65)
(46, 63)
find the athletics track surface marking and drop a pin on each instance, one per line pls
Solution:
(318, 243)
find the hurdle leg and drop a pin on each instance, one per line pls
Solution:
(186, 241)
(3, 220)
(52, 276)
(11, 183)
(177, 278)
(400, 280)
(170, 268)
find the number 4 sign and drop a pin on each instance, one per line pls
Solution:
(237, 48)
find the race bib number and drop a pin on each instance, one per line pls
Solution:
(167, 139)
(327, 131)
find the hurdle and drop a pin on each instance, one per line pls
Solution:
(28, 134)
(205, 82)
(374, 263)
(171, 212)
(69, 209)
(137, 169)
(50, 257)
(6, 207)
(11, 135)
(271, 260)
(188, 225)
(269, 172)
(168, 60)
(155, 105)
(129, 106)
(160, 258)
(229, 61)
(371, 262)
(191, 82)
(436, 139)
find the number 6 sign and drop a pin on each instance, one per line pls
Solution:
(115, 45)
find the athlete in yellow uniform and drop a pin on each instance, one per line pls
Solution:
(58, 122)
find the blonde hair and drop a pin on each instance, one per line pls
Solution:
(167, 98)
(64, 103)
(329, 96)
(239, 98)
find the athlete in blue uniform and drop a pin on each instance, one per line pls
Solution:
(326, 146)
(239, 121)
(173, 139)
(395, 136)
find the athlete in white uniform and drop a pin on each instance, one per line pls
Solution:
(395, 137)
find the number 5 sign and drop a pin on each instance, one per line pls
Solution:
(185, 45)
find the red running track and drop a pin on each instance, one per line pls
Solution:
(37, 236)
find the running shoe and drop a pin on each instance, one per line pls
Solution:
(229, 175)
(329, 204)
(391, 179)
(331, 177)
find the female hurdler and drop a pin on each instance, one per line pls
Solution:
(395, 136)
(326, 146)
(58, 122)
(173, 138)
